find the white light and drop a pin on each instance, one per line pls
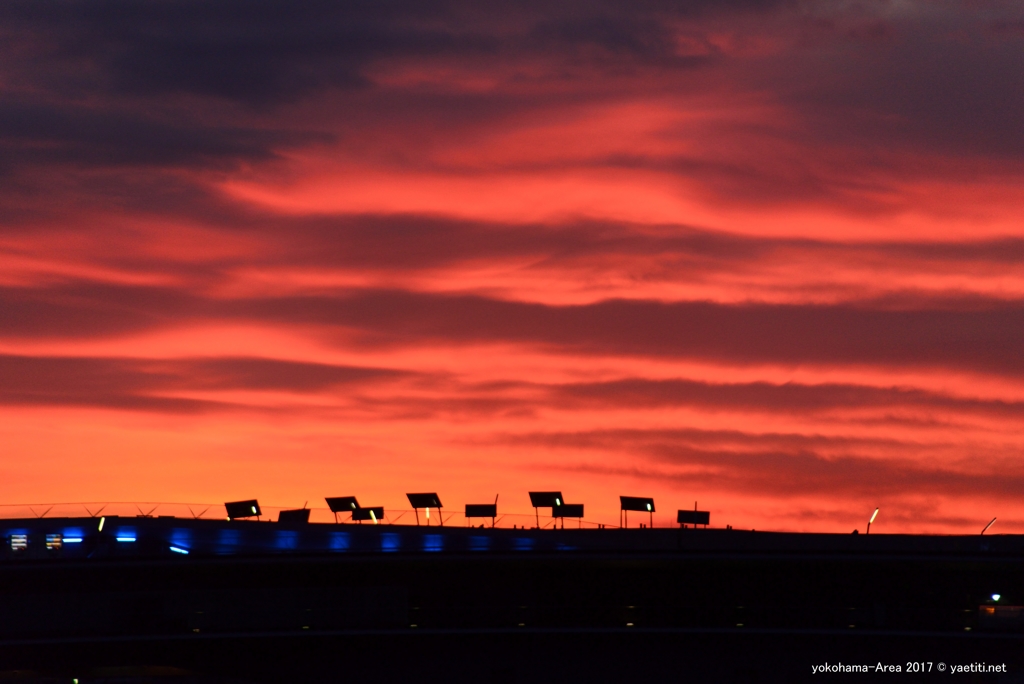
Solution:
(373, 517)
(353, 505)
(996, 597)
(648, 506)
(102, 520)
(126, 539)
(558, 502)
(72, 540)
(175, 549)
(428, 512)
(873, 516)
(254, 510)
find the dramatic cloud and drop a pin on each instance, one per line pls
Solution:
(764, 253)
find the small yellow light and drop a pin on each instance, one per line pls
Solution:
(373, 517)
(102, 520)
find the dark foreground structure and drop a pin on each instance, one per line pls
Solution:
(172, 600)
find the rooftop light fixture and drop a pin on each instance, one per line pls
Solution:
(341, 504)
(545, 500)
(635, 503)
(243, 509)
(427, 500)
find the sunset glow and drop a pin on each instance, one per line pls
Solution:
(766, 256)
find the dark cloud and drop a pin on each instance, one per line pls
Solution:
(83, 309)
(143, 384)
(781, 465)
(788, 398)
(33, 133)
(861, 91)
(973, 335)
(983, 338)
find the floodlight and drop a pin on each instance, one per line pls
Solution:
(546, 499)
(427, 500)
(374, 513)
(294, 516)
(243, 509)
(693, 518)
(567, 511)
(635, 503)
(482, 511)
(341, 504)
(996, 597)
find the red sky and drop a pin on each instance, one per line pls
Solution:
(763, 255)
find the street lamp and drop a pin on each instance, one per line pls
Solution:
(873, 516)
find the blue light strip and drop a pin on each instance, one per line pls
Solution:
(175, 549)
(72, 540)
(126, 539)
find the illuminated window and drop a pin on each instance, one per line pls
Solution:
(54, 542)
(19, 542)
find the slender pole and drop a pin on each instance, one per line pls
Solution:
(988, 526)
(537, 514)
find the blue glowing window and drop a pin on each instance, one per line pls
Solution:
(287, 539)
(522, 544)
(181, 537)
(433, 542)
(479, 543)
(339, 541)
(389, 541)
(229, 539)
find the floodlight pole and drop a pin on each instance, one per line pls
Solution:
(871, 520)
(988, 526)
(536, 513)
